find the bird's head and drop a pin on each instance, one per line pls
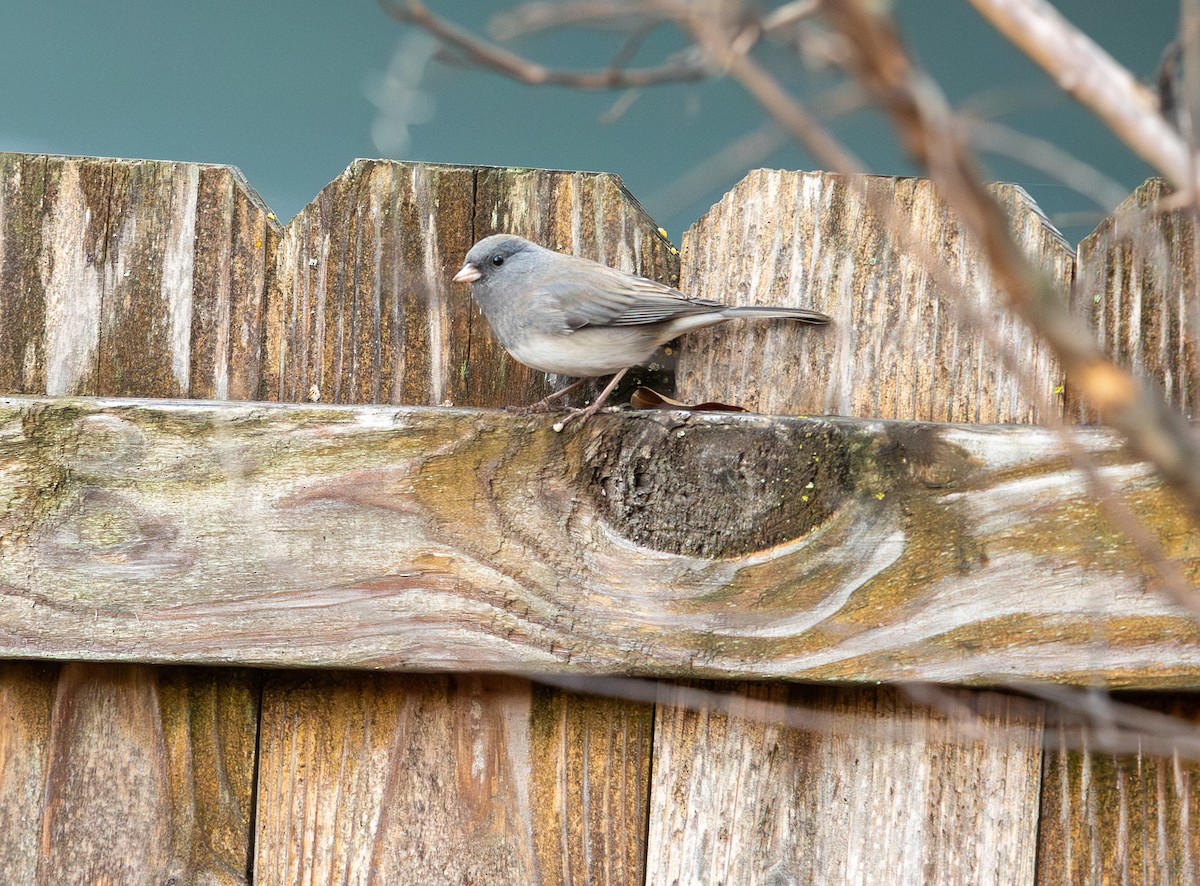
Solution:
(491, 256)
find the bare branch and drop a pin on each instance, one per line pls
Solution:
(623, 103)
(747, 151)
(768, 92)
(789, 14)
(936, 140)
(533, 18)
(1093, 78)
(1189, 45)
(1083, 717)
(931, 135)
(997, 101)
(490, 55)
(967, 715)
(630, 48)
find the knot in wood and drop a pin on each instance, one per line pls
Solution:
(105, 534)
(716, 486)
(106, 444)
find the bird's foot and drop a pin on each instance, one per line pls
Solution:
(579, 415)
(587, 412)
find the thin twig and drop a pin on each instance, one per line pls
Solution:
(1189, 35)
(1084, 718)
(630, 48)
(931, 143)
(789, 14)
(618, 108)
(769, 93)
(933, 138)
(535, 18)
(999, 101)
(728, 163)
(962, 177)
(1093, 78)
(490, 55)
(746, 152)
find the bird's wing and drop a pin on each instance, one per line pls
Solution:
(599, 296)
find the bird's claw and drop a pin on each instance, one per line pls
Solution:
(580, 415)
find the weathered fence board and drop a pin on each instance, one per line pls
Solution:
(395, 779)
(899, 347)
(125, 773)
(363, 308)
(1131, 818)
(901, 794)
(874, 789)
(407, 779)
(552, 787)
(130, 278)
(591, 781)
(127, 277)
(436, 538)
(1136, 282)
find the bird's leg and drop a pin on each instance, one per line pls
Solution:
(594, 407)
(558, 395)
(543, 405)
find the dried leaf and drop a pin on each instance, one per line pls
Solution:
(647, 398)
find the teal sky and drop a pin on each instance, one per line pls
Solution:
(291, 92)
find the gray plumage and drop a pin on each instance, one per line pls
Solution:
(570, 316)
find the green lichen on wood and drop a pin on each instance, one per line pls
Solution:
(399, 536)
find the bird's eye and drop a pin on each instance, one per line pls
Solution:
(497, 260)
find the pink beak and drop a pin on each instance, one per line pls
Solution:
(468, 274)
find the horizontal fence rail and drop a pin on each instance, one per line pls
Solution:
(434, 539)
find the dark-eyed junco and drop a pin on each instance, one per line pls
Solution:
(570, 316)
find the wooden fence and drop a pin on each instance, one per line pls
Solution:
(388, 561)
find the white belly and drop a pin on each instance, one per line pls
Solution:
(588, 352)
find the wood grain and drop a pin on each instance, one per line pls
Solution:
(1121, 818)
(362, 305)
(1130, 817)
(113, 271)
(1136, 283)
(423, 779)
(861, 785)
(898, 346)
(455, 778)
(394, 779)
(125, 774)
(441, 539)
(661, 545)
(871, 788)
(591, 759)
(127, 277)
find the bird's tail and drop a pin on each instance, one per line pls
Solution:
(763, 312)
